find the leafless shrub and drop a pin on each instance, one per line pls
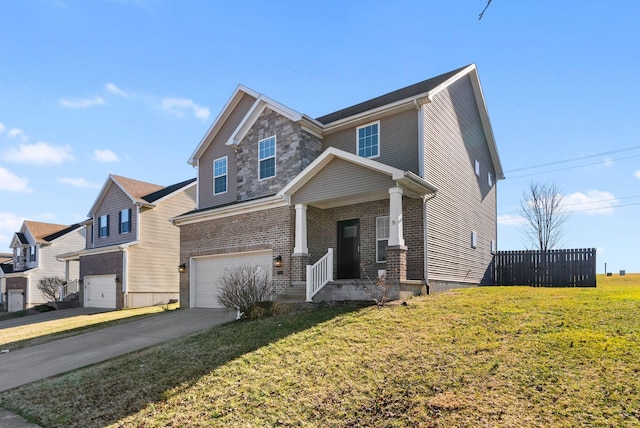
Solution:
(50, 287)
(378, 288)
(244, 287)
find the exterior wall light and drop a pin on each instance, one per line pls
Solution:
(182, 268)
(277, 261)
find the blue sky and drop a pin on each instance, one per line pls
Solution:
(93, 87)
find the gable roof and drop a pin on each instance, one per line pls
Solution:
(47, 232)
(155, 196)
(410, 91)
(139, 192)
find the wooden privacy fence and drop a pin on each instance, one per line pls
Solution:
(553, 268)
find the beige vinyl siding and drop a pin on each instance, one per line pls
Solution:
(464, 203)
(218, 149)
(398, 140)
(153, 262)
(48, 265)
(339, 179)
(113, 202)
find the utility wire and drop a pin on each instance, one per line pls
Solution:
(574, 167)
(574, 159)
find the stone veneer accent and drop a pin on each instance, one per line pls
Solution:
(103, 264)
(295, 150)
(267, 229)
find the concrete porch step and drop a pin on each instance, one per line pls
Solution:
(292, 294)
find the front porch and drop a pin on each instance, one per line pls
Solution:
(359, 209)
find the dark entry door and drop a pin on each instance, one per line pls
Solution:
(349, 249)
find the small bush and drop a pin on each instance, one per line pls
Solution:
(245, 287)
(279, 308)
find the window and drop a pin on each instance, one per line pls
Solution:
(267, 157)
(91, 232)
(103, 226)
(32, 253)
(474, 239)
(477, 168)
(382, 238)
(369, 140)
(493, 246)
(220, 175)
(125, 221)
(490, 179)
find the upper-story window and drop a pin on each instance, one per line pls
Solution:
(103, 226)
(369, 140)
(382, 238)
(267, 157)
(125, 221)
(32, 253)
(220, 176)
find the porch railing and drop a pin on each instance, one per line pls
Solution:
(319, 274)
(69, 288)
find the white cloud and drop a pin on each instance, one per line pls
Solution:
(511, 220)
(82, 102)
(637, 174)
(9, 224)
(39, 153)
(15, 132)
(2, 127)
(179, 107)
(78, 182)
(105, 156)
(594, 202)
(115, 90)
(12, 183)
(608, 162)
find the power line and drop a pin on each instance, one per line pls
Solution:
(588, 209)
(574, 167)
(573, 159)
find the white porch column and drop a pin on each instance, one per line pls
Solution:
(395, 217)
(301, 230)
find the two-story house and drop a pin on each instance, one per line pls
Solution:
(35, 249)
(131, 255)
(404, 183)
(6, 266)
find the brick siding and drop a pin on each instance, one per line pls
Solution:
(103, 264)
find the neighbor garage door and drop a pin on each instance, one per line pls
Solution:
(207, 272)
(100, 291)
(15, 300)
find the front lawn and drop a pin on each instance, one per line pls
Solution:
(491, 356)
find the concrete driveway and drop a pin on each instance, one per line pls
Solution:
(48, 316)
(39, 362)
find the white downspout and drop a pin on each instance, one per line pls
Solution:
(125, 274)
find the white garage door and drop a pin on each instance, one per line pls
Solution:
(100, 291)
(15, 299)
(207, 272)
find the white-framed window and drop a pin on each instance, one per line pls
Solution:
(382, 238)
(477, 167)
(368, 140)
(490, 179)
(220, 176)
(103, 226)
(474, 239)
(267, 157)
(493, 246)
(32, 253)
(125, 221)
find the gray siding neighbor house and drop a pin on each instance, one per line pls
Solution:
(402, 185)
(131, 252)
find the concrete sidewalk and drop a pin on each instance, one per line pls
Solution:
(42, 361)
(48, 316)
(11, 420)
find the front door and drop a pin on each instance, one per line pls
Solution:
(349, 249)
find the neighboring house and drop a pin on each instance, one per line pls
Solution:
(35, 250)
(131, 255)
(6, 266)
(404, 184)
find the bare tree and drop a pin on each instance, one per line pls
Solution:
(545, 216)
(50, 287)
(245, 286)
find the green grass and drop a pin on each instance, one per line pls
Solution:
(494, 356)
(13, 338)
